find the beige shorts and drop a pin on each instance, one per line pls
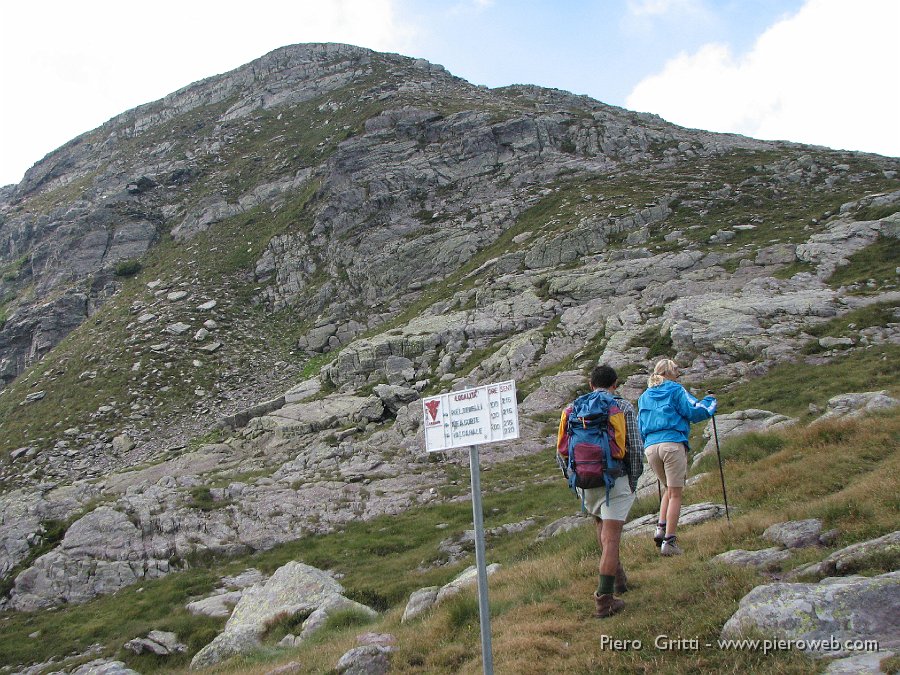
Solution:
(669, 463)
(620, 500)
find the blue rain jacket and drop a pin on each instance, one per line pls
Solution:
(667, 411)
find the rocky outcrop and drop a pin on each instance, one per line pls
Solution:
(161, 643)
(94, 558)
(823, 615)
(795, 533)
(883, 550)
(857, 404)
(292, 589)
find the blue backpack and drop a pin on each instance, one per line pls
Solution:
(591, 442)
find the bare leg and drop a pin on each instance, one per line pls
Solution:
(610, 535)
(672, 503)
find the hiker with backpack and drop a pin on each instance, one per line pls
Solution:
(666, 412)
(600, 449)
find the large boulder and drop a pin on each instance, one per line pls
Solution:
(832, 611)
(292, 589)
(795, 533)
(857, 404)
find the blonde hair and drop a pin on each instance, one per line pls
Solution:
(665, 369)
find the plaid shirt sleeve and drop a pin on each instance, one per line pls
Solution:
(633, 443)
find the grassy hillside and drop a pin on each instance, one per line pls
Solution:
(847, 473)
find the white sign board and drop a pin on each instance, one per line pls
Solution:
(472, 417)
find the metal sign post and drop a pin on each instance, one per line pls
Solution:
(468, 419)
(484, 610)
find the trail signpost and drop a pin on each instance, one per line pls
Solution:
(471, 418)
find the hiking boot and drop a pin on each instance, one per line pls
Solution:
(660, 535)
(621, 580)
(669, 547)
(607, 605)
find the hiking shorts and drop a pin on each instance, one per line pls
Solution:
(620, 500)
(669, 463)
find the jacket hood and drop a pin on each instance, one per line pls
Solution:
(661, 391)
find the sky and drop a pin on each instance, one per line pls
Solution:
(812, 71)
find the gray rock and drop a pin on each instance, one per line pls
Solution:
(399, 370)
(206, 306)
(177, 328)
(562, 525)
(161, 643)
(210, 347)
(219, 605)
(554, 392)
(465, 579)
(777, 254)
(420, 601)
(19, 453)
(692, 514)
(854, 608)
(795, 533)
(174, 296)
(857, 404)
(853, 557)
(304, 390)
(104, 667)
(395, 397)
(832, 342)
(95, 557)
(767, 559)
(241, 418)
(335, 603)
(365, 660)
(289, 641)
(425, 598)
(859, 664)
(249, 577)
(123, 443)
(293, 588)
(304, 417)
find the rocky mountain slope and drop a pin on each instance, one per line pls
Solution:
(219, 310)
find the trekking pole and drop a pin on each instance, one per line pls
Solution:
(721, 472)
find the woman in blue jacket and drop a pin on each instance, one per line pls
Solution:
(666, 412)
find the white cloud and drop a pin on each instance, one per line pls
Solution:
(653, 8)
(826, 75)
(68, 66)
